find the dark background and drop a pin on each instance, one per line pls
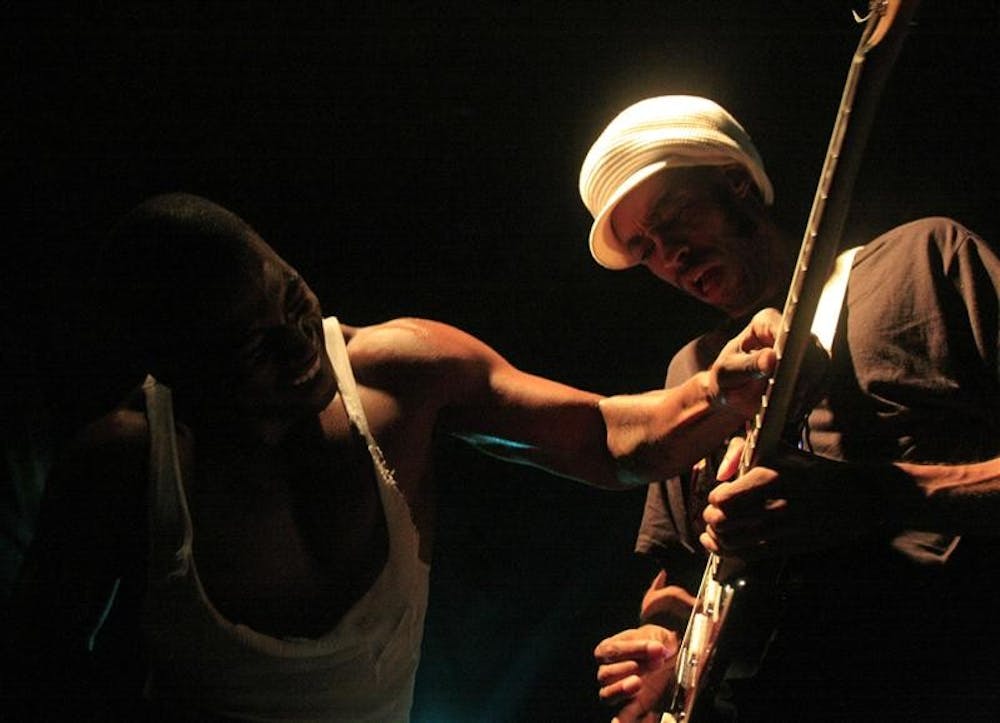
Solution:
(421, 159)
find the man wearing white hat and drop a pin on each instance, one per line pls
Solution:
(675, 184)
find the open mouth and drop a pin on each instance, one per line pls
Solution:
(308, 374)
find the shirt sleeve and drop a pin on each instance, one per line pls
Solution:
(925, 356)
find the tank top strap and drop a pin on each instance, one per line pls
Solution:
(346, 383)
(169, 518)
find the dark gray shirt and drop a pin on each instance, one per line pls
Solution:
(889, 624)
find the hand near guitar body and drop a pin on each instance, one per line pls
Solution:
(636, 667)
(811, 504)
(796, 502)
(751, 516)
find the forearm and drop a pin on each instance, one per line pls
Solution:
(614, 442)
(566, 438)
(961, 498)
(660, 434)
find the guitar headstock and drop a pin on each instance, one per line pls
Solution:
(882, 16)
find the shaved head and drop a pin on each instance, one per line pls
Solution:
(168, 270)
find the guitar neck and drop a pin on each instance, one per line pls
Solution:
(703, 660)
(876, 53)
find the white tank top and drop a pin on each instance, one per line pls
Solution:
(361, 670)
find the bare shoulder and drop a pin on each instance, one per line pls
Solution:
(410, 337)
(107, 459)
(408, 351)
(91, 527)
(119, 432)
(936, 238)
(413, 342)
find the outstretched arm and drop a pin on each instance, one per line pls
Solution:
(613, 442)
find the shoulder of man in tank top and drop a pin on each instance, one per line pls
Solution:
(108, 457)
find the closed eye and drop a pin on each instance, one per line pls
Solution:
(641, 248)
(252, 350)
(299, 301)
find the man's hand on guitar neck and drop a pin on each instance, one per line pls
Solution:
(749, 357)
(745, 361)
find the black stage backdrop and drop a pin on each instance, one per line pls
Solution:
(421, 159)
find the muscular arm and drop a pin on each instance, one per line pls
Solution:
(964, 497)
(611, 442)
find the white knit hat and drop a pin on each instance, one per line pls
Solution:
(656, 133)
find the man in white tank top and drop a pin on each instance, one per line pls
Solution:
(262, 509)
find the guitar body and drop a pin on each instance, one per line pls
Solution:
(738, 606)
(742, 637)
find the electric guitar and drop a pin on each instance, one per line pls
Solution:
(712, 649)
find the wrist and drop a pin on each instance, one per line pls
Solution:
(899, 497)
(704, 393)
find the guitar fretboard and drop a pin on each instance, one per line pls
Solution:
(814, 264)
